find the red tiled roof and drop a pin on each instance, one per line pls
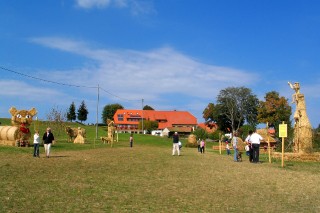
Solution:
(210, 128)
(165, 118)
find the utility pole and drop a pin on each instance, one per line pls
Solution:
(97, 114)
(142, 118)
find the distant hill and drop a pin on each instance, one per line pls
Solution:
(5, 121)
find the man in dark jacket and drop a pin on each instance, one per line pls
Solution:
(47, 138)
(175, 140)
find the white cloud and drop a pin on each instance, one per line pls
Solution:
(136, 7)
(142, 7)
(87, 4)
(23, 90)
(162, 70)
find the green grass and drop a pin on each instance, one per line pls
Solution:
(94, 177)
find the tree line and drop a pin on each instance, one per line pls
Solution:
(237, 106)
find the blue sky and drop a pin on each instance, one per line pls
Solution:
(176, 55)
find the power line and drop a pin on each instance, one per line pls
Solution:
(116, 95)
(64, 84)
(40, 79)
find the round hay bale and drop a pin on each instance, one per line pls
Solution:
(9, 133)
(241, 144)
(192, 139)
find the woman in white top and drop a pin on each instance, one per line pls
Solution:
(36, 144)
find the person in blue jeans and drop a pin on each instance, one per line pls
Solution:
(36, 143)
(235, 147)
(228, 148)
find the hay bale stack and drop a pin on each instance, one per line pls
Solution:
(241, 144)
(9, 135)
(264, 134)
(192, 141)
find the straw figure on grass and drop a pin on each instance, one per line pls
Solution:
(19, 133)
(81, 136)
(302, 127)
(111, 130)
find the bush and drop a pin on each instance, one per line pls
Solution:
(316, 141)
(215, 135)
(200, 133)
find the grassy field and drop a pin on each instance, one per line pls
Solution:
(94, 177)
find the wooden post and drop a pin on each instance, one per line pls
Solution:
(220, 142)
(268, 140)
(282, 134)
(269, 150)
(282, 158)
(117, 135)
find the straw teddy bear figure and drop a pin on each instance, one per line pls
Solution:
(22, 119)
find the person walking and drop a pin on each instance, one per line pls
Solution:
(36, 144)
(198, 143)
(255, 141)
(175, 140)
(235, 147)
(131, 139)
(202, 146)
(47, 138)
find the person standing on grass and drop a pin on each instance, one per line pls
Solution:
(175, 140)
(180, 145)
(131, 139)
(47, 138)
(198, 143)
(202, 146)
(255, 141)
(228, 148)
(235, 147)
(249, 145)
(36, 144)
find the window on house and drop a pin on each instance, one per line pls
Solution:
(120, 117)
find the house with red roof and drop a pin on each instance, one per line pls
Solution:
(127, 120)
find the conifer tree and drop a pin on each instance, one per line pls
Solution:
(71, 114)
(82, 112)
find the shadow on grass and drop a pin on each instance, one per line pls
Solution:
(59, 156)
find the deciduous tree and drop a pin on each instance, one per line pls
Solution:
(147, 107)
(274, 110)
(109, 111)
(235, 106)
(210, 113)
(55, 118)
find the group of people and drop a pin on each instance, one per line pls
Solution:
(201, 146)
(177, 145)
(47, 139)
(234, 141)
(252, 147)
